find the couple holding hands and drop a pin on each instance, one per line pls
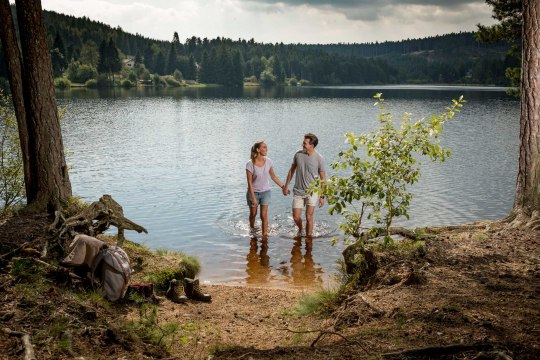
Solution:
(308, 165)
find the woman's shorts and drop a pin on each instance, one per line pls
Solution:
(263, 198)
(299, 202)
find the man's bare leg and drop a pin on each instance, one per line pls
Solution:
(309, 219)
(297, 217)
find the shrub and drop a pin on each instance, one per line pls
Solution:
(132, 77)
(12, 188)
(304, 82)
(157, 80)
(171, 81)
(378, 185)
(251, 79)
(103, 81)
(178, 75)
(126, 84)
(293, 81)
(267, 78)
(91, 84)
(85, 72)
(62, 83)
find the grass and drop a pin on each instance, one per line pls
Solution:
(148, 327)
(319, 302)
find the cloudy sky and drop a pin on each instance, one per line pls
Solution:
(287, 21)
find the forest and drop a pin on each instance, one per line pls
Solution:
(90, 52)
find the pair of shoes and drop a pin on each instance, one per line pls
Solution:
(180, 291)
(193, 290)
(175, 292)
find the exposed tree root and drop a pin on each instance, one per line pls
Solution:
(436, 351)
(25, 339)
(323, 333)
(519, 218)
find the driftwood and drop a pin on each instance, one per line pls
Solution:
(96, 219)
(25, 339)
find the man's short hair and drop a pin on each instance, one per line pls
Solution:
(313, 140)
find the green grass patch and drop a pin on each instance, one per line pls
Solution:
(319, 302)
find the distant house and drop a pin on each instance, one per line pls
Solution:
(129, 61)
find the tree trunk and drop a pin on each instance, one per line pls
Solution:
(14, 66)
(527, 199)
(48, 171)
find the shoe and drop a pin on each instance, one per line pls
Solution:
(175, 293)
(193, 290)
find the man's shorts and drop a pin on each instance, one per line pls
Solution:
(299, 202)
(263, 198)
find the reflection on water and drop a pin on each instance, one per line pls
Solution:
(303, 269)
(258, 263)
(300, 271)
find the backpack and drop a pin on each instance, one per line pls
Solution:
(111, 266)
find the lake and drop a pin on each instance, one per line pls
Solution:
(175, 160)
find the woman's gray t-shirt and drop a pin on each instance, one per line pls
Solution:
(307, 170)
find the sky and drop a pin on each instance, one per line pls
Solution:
(287, 21)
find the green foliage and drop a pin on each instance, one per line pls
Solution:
(378, 184)
(62, 83)
(132, 76)
(80, 73)
(171, 81)
(267, 78)
(103, 81)
(126, 84)
(158, 81)
(149, 327)
(319, 302)
(12, 190)
(186, 266)
(178, 75)
(91, 84)
(293, 81)
(509, 15)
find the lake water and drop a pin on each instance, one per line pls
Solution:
(175, 160)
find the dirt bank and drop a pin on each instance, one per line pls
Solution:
(478, 290)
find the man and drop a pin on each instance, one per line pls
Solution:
(308, 165)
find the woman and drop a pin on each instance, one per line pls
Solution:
(259, 170)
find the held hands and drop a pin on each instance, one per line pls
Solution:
(285, 190)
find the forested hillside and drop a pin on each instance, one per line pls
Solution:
(81, 49)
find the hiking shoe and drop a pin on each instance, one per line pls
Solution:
(193, 290)
(175, 293)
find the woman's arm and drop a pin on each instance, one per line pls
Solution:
(276, 179)
(249, 176)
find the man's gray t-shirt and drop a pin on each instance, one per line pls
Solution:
(307, 170)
